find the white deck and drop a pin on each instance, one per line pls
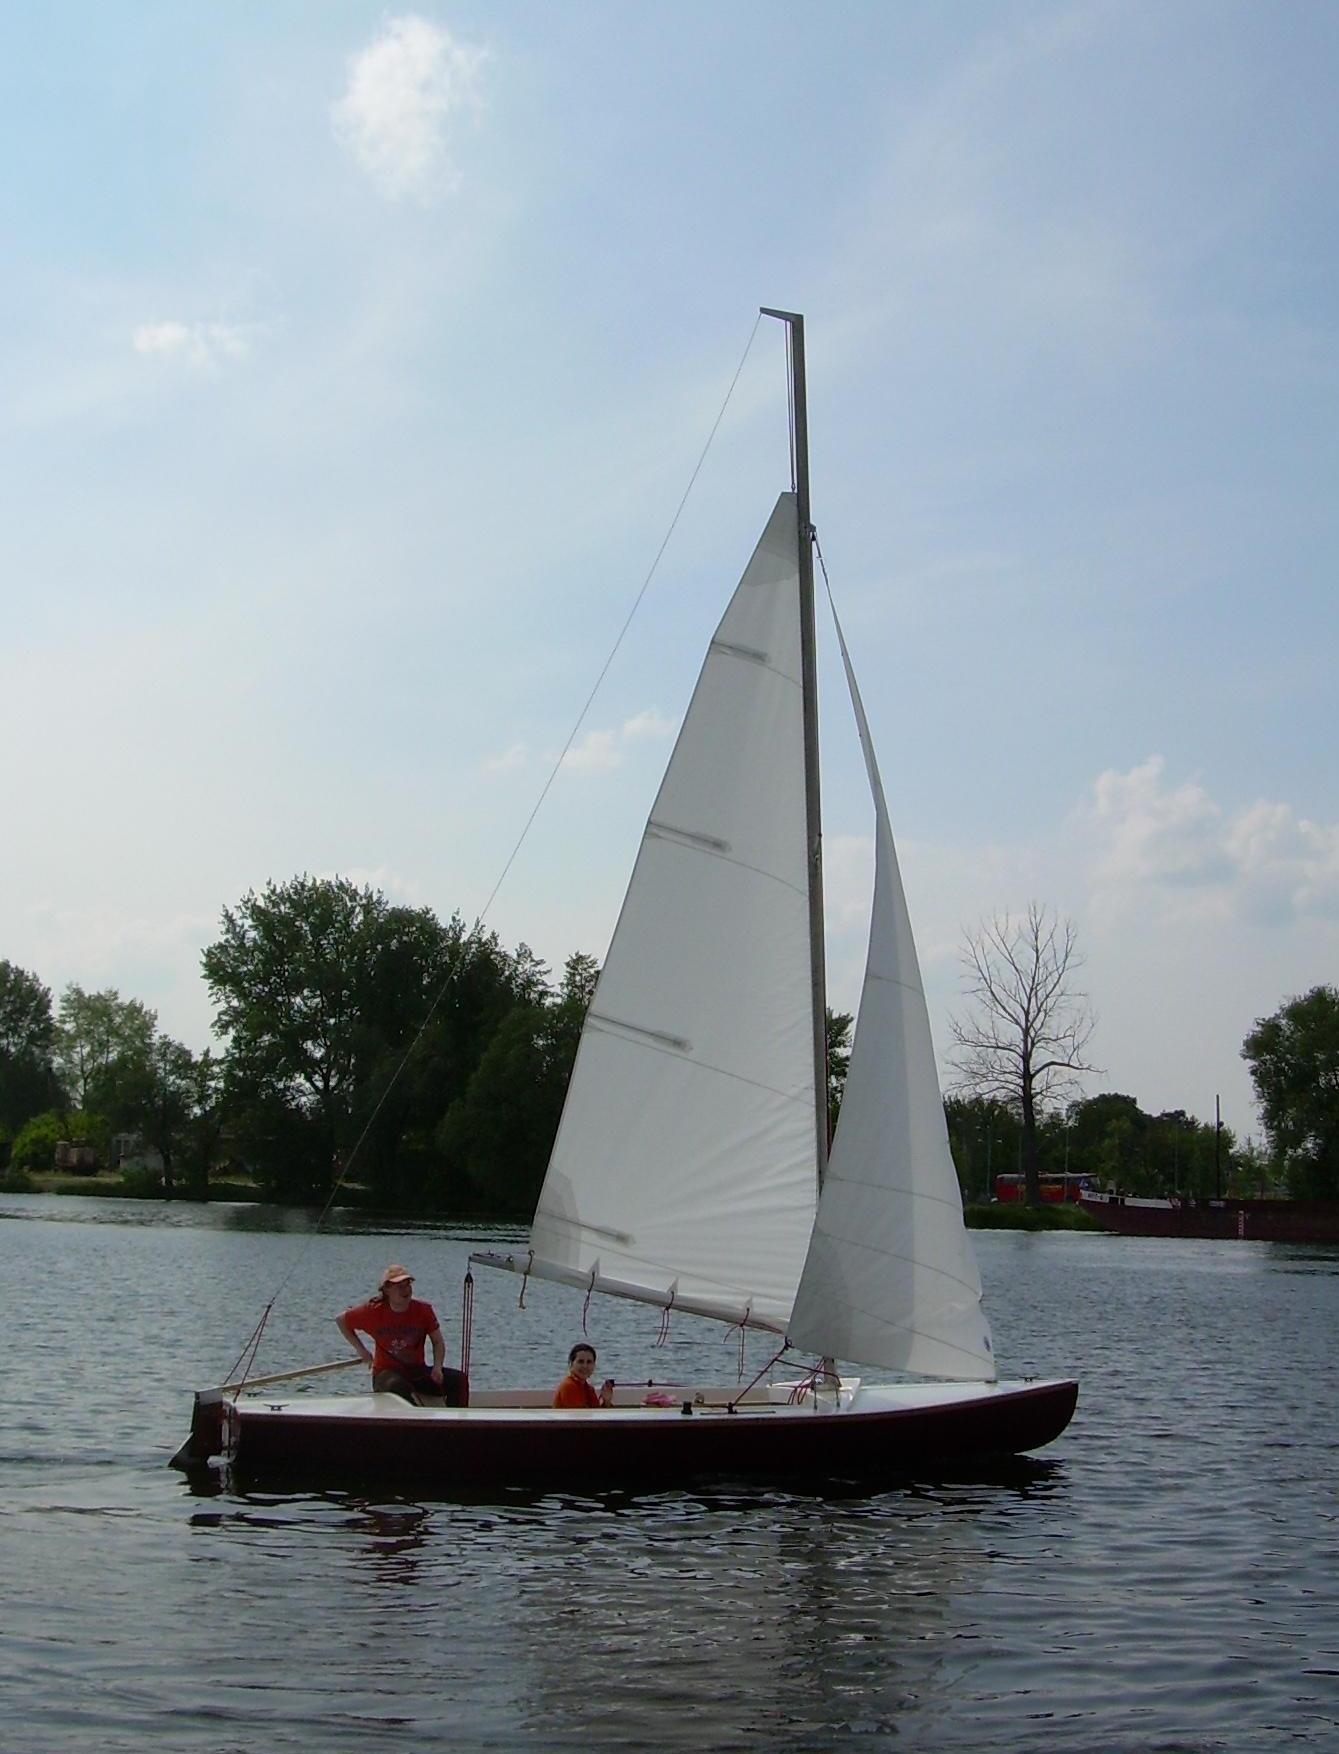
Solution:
(527, 1406)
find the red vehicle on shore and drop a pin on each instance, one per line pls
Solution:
(1054, 1188)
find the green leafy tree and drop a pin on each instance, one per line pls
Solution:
(1123, 1148)
(1106, 1136)
(28, 1082)
(1294, 1060)
(1025, 1041)
(1192, 1157)
(35, 1143)
(203, 1138)
(1257, 1174)
(165, 1101)
(839, 1027)
(303, 978)
(985, 1138)
(102, 1043)
(351, 1025)
(498, 1136)
(412, 1080)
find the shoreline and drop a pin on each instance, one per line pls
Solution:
(992, 1215)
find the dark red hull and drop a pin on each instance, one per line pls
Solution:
(1242, 1220)
(483, 1448)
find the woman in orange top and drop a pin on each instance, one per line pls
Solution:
(575, 1389)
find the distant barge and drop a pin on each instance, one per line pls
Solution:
(1249, 1220)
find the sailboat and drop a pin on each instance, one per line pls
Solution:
(692, 1170)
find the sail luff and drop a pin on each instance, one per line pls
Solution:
(891, 1277)
(685, 1156)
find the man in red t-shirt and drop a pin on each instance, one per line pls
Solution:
(398, 1323)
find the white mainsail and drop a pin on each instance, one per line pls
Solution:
(891, 1277)
(683, 1172)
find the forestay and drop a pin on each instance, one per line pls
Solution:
(891, 1277)
(683, 1171)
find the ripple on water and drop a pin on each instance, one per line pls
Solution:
(1165, 1578)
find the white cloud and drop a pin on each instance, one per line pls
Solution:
(402, 93)
(1194, 917)
(506, 759)
(1171, 847)
(603, 751)
(155, 959)
(596, 752)
(400, 891)
(1147, 832)
(649, 724)
(199, 345)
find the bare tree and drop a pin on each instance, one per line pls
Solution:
(1024, 1043)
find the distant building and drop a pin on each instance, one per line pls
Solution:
(128, 1151)
(78, 1159)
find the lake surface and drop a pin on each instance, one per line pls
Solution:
(1166, 1578)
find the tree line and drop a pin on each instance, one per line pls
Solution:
(422, 1066)
(1021, 1052)
(1111, 1141)
(418, 1064)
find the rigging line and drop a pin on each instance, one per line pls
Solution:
(832, 604)
(622, 633)
(466, 1322)
(773, 1360)
(348, 1162)
(477, 929)
(790, 412)
(823, 568)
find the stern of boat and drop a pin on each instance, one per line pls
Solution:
(208, 1433)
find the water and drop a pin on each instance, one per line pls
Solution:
(1165, 1579)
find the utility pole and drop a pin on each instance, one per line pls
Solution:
(1217, 1149)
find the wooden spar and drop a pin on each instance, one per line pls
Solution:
(263, 1382)
(809, 678)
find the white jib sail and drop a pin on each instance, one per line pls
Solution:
(891, 1278)
(684, 1169)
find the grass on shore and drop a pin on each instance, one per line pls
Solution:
(1006, 1215)
(109, 1185)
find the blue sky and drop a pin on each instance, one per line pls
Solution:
(356, 359)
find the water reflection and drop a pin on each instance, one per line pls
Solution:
(772, 1610)
(248, 1217)
(768, 1614)
(396, 1540)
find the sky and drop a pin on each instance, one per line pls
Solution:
(355, 362)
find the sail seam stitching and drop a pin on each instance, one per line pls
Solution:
(651, 1046)
(763, 661)
(698, 845)
(842, 1179)
(854, 1242)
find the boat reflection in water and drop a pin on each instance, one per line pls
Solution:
(765, 1615)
